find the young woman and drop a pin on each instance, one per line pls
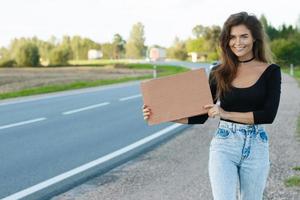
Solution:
(248, 88)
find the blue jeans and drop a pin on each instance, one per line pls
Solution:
(239, 154)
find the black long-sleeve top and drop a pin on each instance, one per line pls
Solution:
(262, 98)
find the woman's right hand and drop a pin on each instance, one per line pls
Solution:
(146, 112)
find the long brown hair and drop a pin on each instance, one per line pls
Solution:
(226, 72)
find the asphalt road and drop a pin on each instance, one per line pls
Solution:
(178, 168)
(52, 142)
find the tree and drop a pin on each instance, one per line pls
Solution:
(198, 31)
(60, 55)
(44, 49)
(5, 60)
(177, 50)
(75, 46)
(28, 55)
(212, 34)
(298, 24)
(80, 47)
(53, 40)
(286, 51)
(107, 50)
(269, 29)
(4, 53)
(118, 46)
(196, 45)
(135, 47)
(287, 31)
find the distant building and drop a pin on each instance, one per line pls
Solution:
(157, 54)
(94, 54)
(196, 57)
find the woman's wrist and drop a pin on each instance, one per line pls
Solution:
(182, 121)
(224, 114)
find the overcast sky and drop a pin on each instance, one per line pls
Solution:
(99, 20)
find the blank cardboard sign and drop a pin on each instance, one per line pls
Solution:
(177, 96)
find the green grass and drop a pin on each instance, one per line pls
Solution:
(293, 181)
(296, 72)
(162, 71)
(296, 168)
(71, 86)
(100, 62)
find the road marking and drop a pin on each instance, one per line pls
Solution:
(82, 168)
(22, 123)
(131, 97)
(67, 93)
(85, 108)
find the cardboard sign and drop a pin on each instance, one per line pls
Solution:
(177, 96)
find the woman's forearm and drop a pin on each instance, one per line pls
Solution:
(182, 121)
(242, 117)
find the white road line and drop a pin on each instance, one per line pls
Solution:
(85, 108)
(131, 97)
(82, 168)
(22, 123)
(66, 93)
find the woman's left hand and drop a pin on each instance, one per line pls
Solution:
(214, 110)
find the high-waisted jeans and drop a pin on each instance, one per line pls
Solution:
(239, 154)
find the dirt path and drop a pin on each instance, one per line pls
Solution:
(14, 79)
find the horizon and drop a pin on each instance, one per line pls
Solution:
(100, 20)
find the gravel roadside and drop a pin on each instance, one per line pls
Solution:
(177, 169)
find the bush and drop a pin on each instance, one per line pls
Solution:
(28, 55)
(286, 51)
(180, 54)
(60, 56)
(212, 56)
(8, 63)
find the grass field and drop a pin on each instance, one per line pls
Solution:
(15, 82)
(101, 62)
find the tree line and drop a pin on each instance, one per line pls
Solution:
(284, 42)
(35, 52)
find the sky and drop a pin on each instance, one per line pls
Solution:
(99, 20)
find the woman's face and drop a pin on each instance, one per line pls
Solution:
(241, 42)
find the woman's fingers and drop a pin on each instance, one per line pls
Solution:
(208, 106)
(146, 112)
(147, 115)
(213, 110)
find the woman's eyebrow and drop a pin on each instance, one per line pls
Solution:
(245, 34)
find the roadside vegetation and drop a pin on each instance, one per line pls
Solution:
(293, 181)
(73, 52)
(59, 84)
(119, 56)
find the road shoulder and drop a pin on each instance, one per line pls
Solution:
(177, 169)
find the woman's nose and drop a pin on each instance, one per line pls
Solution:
(238, 41)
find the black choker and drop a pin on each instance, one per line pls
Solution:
(245, 61)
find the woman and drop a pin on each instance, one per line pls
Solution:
(248, 88)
